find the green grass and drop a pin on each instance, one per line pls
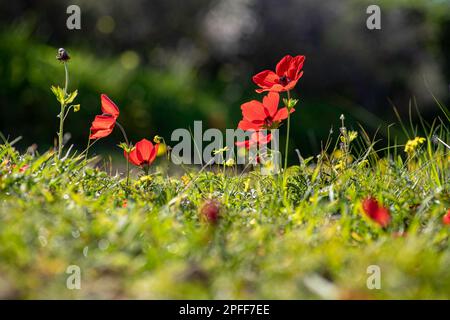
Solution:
(301, 238)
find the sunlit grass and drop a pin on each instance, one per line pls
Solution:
(302, 237)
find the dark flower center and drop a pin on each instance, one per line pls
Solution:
(284, 80)
(268, 122)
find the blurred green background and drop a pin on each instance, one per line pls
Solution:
(167, 63)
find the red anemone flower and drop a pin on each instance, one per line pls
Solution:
(285, 77)
(256, 138)
(210, 211)
(446, 218)
(257, 115)
(104, 124)
(143, 154)
(376, 212)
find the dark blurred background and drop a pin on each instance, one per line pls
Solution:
(167, 63)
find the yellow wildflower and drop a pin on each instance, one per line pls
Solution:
(412, 145)
(230, 162)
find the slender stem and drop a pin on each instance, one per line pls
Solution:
(129, 146)
(66, 86)
(128, 171)
(61, 129)
(88, 146)
(62, 113)
(123, 132)
(288, 133)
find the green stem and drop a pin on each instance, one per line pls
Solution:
(61, 129)
(128, 154)
(128, 171)
(287, 133)
(62, 113)
(87, 148)
(66, 86)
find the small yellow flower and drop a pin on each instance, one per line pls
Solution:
(185, 179)
(230, 162)
(143, 180)
(412, 145)
(352, 135)
(337, 154)
(340, 165)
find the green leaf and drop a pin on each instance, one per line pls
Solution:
(125, 147)
(292, 103)
(71, 97)
(59, 93)
(76, 108)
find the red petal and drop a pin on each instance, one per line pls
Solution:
(282, 114)
(101, 127)
(241, 144)
(108, 106)
(271, 102)
(278, 88)
(370, 206)
(144, 150)
(253, 111)
(290, 85)
(132, 157)
(249, 125)
(446, 218)
(283, 65)
(375, 212)
(295, 67)
(299, 72)
(265, 79)
(382, 217)
(97, 134)
(264, 138)
(153, 154)
(103, 122)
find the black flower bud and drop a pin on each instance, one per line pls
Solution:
(62, 55)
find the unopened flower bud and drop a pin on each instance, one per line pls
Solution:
(62, 55)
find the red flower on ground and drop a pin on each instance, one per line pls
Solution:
(210, 211)
(375, 212)
(265, 115)
(446, 218)
(143, 154)
(22, 169)
(285, 77)
(104, 124)
(256, 138)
